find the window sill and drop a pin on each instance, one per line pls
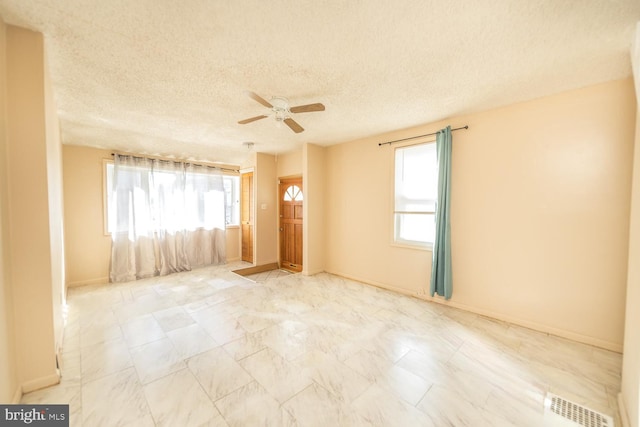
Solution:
(232, 227)
(427, 247)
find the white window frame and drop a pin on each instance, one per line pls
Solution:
(396, 241)
(235, 202)
(106, 164)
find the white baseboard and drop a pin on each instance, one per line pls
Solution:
(607, 345)
(42, 382)
(17, 396)
(311, 273)
(573, 336)
(376, 284)
(622, 409)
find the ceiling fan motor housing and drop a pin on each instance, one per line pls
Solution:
(280, 108)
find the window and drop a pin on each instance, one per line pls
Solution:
(231, 198)
(109, 203)
(293, 194)
(416, 192)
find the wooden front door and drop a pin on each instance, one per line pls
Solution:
(246, 216)
(291, 199)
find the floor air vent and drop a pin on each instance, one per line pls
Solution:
(578, 414)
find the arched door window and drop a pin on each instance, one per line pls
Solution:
(293, 194)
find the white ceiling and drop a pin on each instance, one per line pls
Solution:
(170, 77)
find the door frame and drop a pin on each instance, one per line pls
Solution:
(253, 213)
(282, 182)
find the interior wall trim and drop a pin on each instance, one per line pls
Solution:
(41, 382)
(98, 281)
(312, 273)
(17, 396)
(622, 411)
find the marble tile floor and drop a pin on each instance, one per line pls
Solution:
(209, 347)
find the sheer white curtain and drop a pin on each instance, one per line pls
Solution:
(169, 217)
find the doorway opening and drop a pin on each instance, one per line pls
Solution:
(247, 216)
(291, 200)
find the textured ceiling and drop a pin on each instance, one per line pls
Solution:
(170, 77)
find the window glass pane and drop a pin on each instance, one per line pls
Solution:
(416, 178)
(420, 228)
(293, 193)
(232, 199)
(110, 199)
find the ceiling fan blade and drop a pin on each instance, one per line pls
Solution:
(293, 125)
(252, 119)
(307, 108)
(260, 99)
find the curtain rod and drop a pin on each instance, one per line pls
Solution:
(186, 162)
(419, 136)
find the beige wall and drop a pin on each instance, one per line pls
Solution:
(234, 242)
(8, 364)
(631, 362)
(31, 217)
(313, 209)
(266, 218)
(289, 164)
(87, 247)
(540, 201)
(630, 395)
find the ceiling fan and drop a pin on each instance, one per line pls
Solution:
(281, 111)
